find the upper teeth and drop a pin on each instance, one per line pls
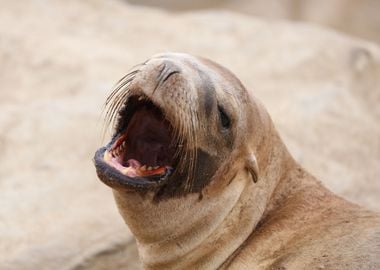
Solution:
(118, 149)
(148, 168)
(123, 144)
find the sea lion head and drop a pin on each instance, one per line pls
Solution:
(193, 160)
(181, 122)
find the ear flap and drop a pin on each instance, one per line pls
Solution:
(253, 167)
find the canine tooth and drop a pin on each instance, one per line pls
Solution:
(149, 168)
(125, 171)
(156, 167)
(143, 168)
(107, 156)
(141, 98)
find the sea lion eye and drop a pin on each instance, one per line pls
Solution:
(224, 119)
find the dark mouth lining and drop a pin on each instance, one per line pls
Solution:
(143, 145)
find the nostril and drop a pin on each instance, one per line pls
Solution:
(167, 70)
(170, 74)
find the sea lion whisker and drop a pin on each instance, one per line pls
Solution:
(119, 91)
(113, 109)
(121, 83)
(193, 153)
(116, 98)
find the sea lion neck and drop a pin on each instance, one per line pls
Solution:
(189, 232)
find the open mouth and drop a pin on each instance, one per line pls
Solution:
(142, 150)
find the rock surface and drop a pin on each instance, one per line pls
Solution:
(59, 60)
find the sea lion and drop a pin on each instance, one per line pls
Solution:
(203, 180)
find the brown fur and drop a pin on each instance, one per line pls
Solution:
(285, 220)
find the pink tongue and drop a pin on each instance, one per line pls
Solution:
(133, 163)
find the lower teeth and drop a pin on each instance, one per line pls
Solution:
(132, 167)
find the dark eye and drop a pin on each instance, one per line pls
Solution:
(224, 119)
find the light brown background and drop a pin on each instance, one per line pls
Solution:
(59, 59)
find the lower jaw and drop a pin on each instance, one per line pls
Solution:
(135, 168)
(115, 178)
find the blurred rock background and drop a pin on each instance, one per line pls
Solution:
(357, 18)
(59, 60)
